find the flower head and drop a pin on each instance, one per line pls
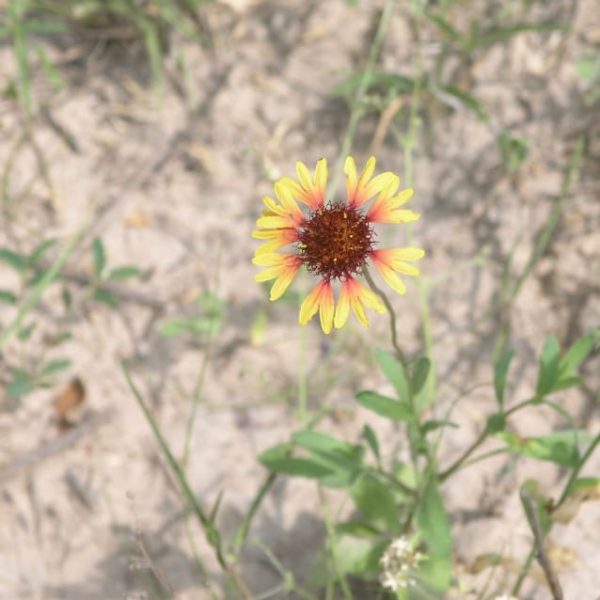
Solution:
(399, 564)
(334, 239)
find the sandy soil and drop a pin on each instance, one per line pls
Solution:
(174, 187)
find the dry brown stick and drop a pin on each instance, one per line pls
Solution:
(27, 462)
(541, 554)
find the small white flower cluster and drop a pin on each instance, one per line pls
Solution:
(399, 563)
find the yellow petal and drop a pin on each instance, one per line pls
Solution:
(304, 176)
(327, 309)
(309, 307)
(342, 312)
(282, 283)
(321, 174)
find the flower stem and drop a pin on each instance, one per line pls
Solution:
(357, 108)
(388, 305)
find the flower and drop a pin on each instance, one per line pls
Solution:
(399, 564)
(334, 240)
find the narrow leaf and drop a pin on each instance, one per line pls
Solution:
(395, 373)
(500, 374)
(549, 366)
(384, 406)
(99, 257)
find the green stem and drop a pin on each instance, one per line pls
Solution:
(357, 109)
(390, 309)
(213, 536)
(458, 463)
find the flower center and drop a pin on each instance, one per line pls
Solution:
(335, 241)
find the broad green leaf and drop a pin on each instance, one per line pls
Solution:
(121, 273)
(495, 423)
(395, 373)
(12, 259)
(106, 297)
(54, 366)
(358, 556)
(371, 438)
(434, 528)
(560, 448)
(384, 406)
(500, 373)
(376, 503)
(99, 257)
(577, 353)
(549, 367)
(420, 383)
(315, 441)
(20, 384)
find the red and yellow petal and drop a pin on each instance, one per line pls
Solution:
(391, 261)
(320, 299)
(281, 267)
(363, 188)
(356, 296)
(387, 209)
(311, 189)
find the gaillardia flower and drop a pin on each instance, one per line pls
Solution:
(334, 240)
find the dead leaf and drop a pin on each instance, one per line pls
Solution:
(67, 401)
(137, 220)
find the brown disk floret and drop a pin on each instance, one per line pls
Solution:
(335, 241)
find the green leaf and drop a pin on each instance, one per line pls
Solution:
(445, 27)
(495, 423)
(495, 35)
(54, 366)
(371, 438)
(106, 297)
(500, 373)
(356, 556)
(7, 297)
(514, 151)
(20, 385)
(588, 68)
(434, 424)
(420, 384)
(189, 325)
(322, 443)
(387, 82)
(376, 503)
(577, 353)
(549, 367)
(434, 529)
(357, 529)
(395, 373)
(99, 257)
(126, 272)
(468, 101)
(25, 332)
(560, 448)
(296, 467)
(343, 460)
(386, 407)
(18, 262)
(40, 250)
